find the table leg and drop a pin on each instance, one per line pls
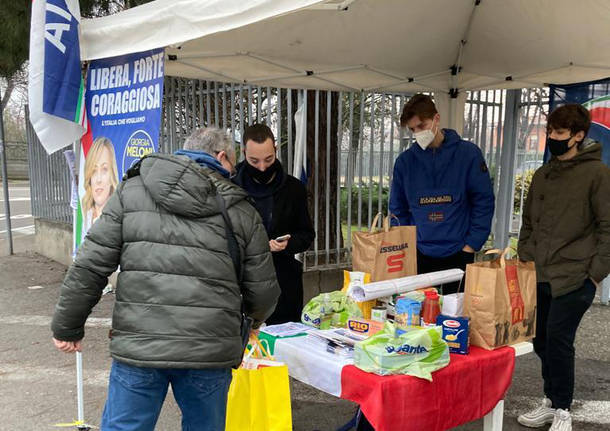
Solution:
(606, 291)
(493, 420)
(352, 424)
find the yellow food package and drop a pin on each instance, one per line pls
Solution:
(357, 277)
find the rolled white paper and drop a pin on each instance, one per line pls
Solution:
(379, 289)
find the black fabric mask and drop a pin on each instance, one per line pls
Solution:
(265, 176)
(558, 147)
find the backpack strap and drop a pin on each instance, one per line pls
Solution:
(134, 171)
(235, 253)
(234, 250)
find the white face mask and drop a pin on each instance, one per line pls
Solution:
(425, 137)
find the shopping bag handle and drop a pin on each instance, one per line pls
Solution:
(372, 228)
(385, 225)
(460, 286)
(388, 221)
(265, 351)
(502, 254)
(249, 352)
(256, 343)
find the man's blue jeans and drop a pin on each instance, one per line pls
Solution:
(136, 395)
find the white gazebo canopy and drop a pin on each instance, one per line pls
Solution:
(406, 45)
(445, 46)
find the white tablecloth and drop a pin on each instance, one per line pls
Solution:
(311, 365)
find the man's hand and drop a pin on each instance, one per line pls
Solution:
(597, 285)
(68, 346)
(277, 246)
(468, 249)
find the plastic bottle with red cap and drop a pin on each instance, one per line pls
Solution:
(431, 307)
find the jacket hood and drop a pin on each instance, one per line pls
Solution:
(451, 138)
(204, 160)
(181, 186)
(590, 150)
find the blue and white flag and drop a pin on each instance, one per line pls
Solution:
(56, 90)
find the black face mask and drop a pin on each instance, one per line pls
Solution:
(265, 176)
(558, 147)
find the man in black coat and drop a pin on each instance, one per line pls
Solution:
(281, 200)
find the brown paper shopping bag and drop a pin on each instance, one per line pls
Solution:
(500, 300)
(386, 254)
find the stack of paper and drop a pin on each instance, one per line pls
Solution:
(286, 329)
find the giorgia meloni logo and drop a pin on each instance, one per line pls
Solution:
(138, 145)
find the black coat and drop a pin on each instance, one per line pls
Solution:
(289, 216)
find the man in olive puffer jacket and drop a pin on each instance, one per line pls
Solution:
(177, 315)
(566, 233)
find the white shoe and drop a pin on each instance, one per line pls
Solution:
(542, 415)
(562, 421)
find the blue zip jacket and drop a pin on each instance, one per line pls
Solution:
(446, 193)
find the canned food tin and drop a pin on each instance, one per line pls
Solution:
(379, 314)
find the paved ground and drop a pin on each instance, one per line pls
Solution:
(37, 383)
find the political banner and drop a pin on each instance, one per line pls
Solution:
(123, 97)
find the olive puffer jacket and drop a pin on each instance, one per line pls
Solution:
(177, 298)
(566, 221)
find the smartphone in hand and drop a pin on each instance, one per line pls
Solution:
(283, 238)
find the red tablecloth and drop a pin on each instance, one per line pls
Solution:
(465, 390)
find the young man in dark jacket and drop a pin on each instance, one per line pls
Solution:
(177, 315)
(442, 186)
(281, 201)
(566, 233)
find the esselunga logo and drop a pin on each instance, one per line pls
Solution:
(451, 323)
(389, 248)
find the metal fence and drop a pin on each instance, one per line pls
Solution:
(353, 139)
(17, 159)
(50, 186)
(533, 111)
(348, 187)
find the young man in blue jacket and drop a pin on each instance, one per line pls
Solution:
(441, 186)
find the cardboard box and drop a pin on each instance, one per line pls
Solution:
(455, 332)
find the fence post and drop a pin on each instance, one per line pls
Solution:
(507, 169)
(605, 297)
(7, 203)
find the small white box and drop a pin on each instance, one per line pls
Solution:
(453, 304)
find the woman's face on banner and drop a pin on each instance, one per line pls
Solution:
(101, 183)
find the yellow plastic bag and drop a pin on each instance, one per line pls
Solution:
(259, 397)
(359, 277)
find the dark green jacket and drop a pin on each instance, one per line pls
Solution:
(566, 221)
(177, 298)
